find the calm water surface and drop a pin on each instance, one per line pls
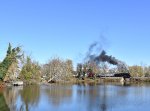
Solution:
(83, 97)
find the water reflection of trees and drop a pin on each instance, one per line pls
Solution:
(112, 96)
(3, 105)
(10, 95)
(100, 97)
(58, 93)
(30, 96)
(88, 94)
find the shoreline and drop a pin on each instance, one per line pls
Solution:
(101, 80)
(104, 80)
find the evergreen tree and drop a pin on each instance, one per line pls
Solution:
(12, 56)
(9, 49)
(30, 70)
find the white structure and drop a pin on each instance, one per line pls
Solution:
(18, 83)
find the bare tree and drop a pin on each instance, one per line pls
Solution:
(57, 69)
(69, 68)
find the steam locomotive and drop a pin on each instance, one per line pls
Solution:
(124, 75)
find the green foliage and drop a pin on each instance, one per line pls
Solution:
(3, 105)
(12, 56)
(147, 71)
(9, 50)
(136, 71)
(69, 67)
(30, 70)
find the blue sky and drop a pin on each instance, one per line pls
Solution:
(66, 28)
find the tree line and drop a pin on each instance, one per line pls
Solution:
(16, 65)
(105, 68)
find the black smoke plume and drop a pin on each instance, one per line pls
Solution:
(103, 57)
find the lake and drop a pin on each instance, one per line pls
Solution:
(78, 97)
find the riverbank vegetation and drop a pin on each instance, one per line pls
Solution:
(9, 66)
(30, 71)
(57, 70)
(17, 66)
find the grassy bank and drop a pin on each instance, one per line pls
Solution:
(105, 79)
(74, 80)
(140, 79)
(90, 80)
